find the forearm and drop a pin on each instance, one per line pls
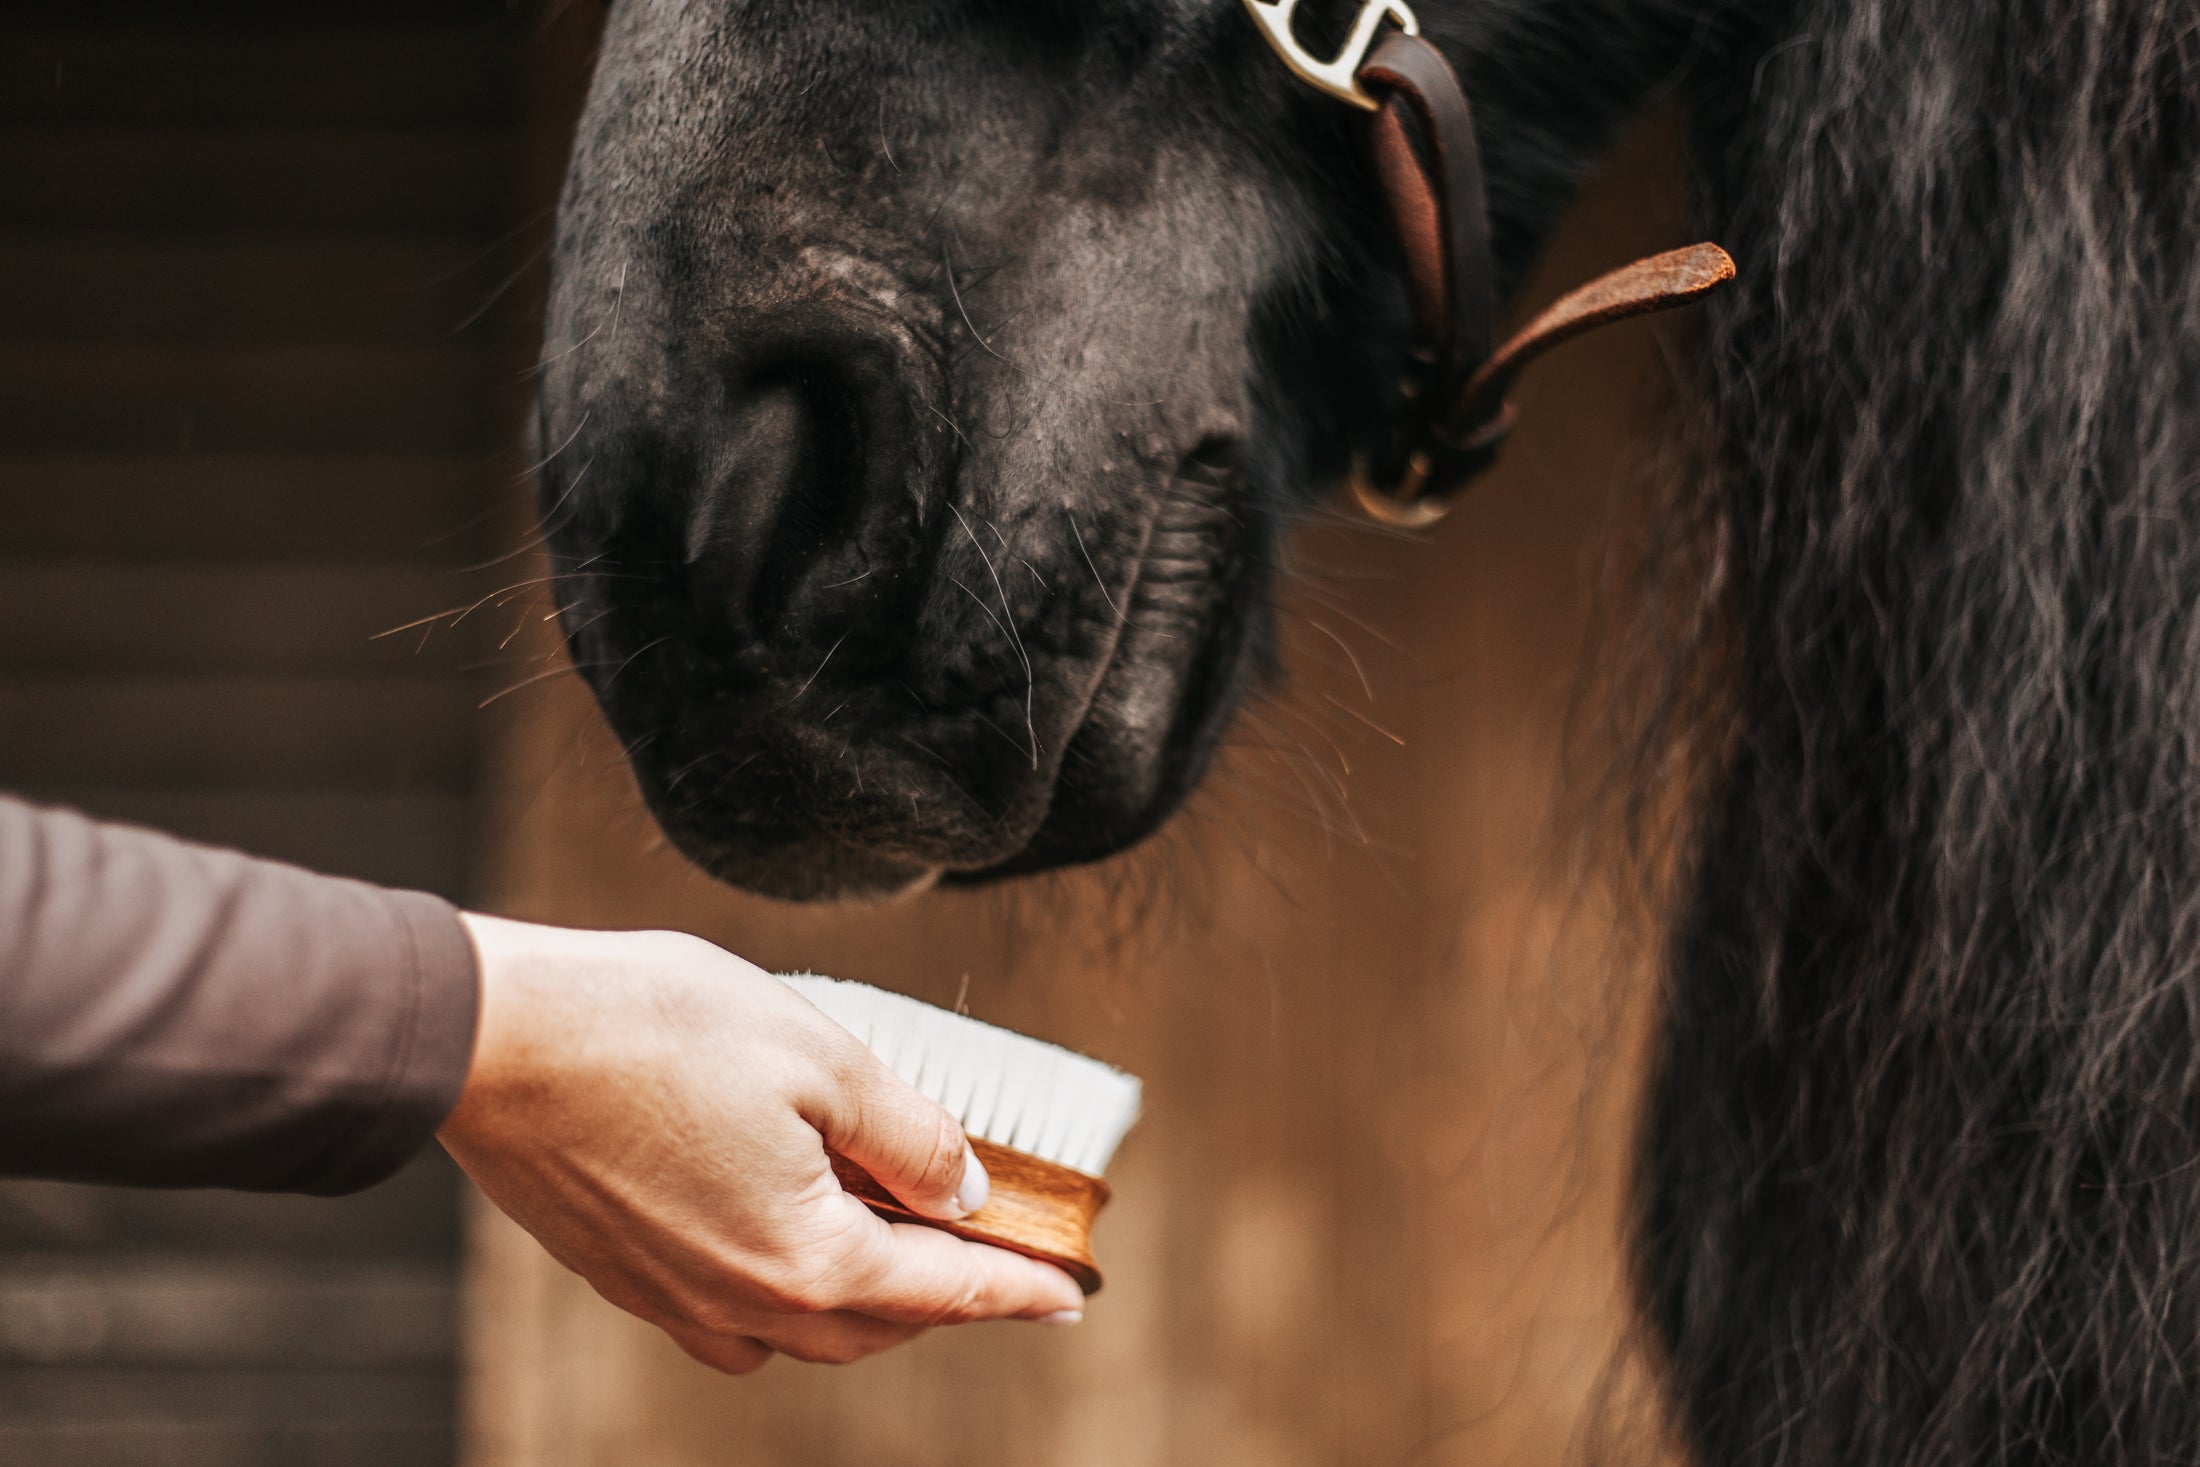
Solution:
(177, 1016)
(656, 1111)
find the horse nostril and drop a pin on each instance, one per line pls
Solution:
(813, 508)
(820, 488)
(753, 471)
(1215, 462)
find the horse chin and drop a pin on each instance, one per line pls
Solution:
(1141, 743)
(1116, 787)
(1126, 774)
(818, 871)
(853, 869)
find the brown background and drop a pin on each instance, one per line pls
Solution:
(1390, 1029)
(252, 392)
(264, 317)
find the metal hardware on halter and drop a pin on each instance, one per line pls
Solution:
(1403, 506)
(1408, 504)
(1451, 411)
(1340, 77)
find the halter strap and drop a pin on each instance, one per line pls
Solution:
(1451, 412)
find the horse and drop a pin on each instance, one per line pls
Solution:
(930, 387)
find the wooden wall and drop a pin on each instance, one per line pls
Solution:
(1391, 1034)
(249, 416)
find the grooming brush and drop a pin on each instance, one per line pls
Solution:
(1043, 1121)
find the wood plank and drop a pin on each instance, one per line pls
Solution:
(200, 1313)
(250, 508)
(413, 1216)
(193, 732)
(442, 77)
(295, 1398)
(137, 399)
(238, 1444)
(198, 542)
(78, 287)
(416, 840)
(409, 180)
(82, 618)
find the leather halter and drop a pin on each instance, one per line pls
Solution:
(1451, 410)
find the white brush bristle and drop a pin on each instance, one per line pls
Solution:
(1011, 1090)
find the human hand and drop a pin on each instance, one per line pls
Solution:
(656, 1112)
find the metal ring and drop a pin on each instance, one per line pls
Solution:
(1402, 508)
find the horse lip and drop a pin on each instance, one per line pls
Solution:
(1102, 667)
(932, 873)
(1158, 799)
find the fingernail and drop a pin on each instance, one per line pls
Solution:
(976, 1185)
(1063, 1316)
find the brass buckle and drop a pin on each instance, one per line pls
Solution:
(1339, 77)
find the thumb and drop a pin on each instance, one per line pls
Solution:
(910, 1146)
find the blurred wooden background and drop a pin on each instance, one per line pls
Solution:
(250, 402)
(1390, 1028)
(255, 373)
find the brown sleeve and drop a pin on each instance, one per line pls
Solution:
(182, 1017)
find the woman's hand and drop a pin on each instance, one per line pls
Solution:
(656, 1112)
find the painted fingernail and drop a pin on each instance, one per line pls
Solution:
(1063, 1316)
(976, 1185)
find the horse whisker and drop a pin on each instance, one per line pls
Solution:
(986, 346)
(503, 286)
(534, 469)
(618, 310)
(1357, 670)
(1031, 686)
(1354, 713)
(809, 681)
(541, 677)
(1095, 569)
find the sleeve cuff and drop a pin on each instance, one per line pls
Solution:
(435, 1050)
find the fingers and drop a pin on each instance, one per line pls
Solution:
(912, 1147)
(727, 1354)
(917, 1275)
(836, 1339)
(818, 1339)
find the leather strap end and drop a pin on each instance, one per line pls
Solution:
(1659, 283)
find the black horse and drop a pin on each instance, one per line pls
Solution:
(930, 383)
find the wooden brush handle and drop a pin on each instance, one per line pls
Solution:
(1038, 1209)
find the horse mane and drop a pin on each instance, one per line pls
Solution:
(1920, 1172)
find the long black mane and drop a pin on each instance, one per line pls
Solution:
(1921, 1175)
